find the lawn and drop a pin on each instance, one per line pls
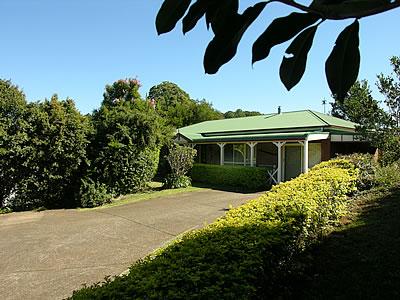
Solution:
(155, 191)
(360, 260)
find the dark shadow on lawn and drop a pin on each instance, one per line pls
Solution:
(362, 261)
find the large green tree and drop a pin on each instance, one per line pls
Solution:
(177, 108)
(129, 135)
(375, 124)
(228, 26)
(359, 106)
(240, 114)
(389, 86)
(13, 137)
(43, 151)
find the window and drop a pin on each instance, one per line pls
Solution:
(238, 154)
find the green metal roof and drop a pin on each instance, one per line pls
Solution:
(271, 126)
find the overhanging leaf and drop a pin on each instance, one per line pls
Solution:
(170, 13)
(195, 13)
(292, 68)
(280, 31)
(343, 64)
(224, 45)
(221, 12)
(345, 8)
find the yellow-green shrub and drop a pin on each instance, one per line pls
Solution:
(247, 253)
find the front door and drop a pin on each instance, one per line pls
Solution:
(292, 161)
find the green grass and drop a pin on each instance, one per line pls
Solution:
(155, 191)
(360, 260)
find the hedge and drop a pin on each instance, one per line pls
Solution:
(240, 177)
(247, 253)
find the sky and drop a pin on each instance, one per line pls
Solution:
(75, 47)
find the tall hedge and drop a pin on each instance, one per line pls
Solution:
(240, 177)
(247, 253)
(47, 155)
(42, 150)
(13, 137)
(129, 134)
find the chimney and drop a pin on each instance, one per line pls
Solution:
(279, 110)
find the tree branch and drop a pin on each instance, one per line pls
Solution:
(328, 12)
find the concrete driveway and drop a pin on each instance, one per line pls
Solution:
(47, 255)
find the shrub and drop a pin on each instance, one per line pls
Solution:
(367, 169)
(240, 177)
(245, 254)
(176, 182)
(388, 176)
(125, 148)
(180, 159)
(92, 194)
(46, 154)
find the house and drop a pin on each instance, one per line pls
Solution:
(287, 143)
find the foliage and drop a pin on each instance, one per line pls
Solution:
(388, 176)
(239, 177)
(389, 86)
(228, 26)
(126, 163)
(373, 123)
(5, 210)
(125, 148)
(172, 103)
(47, 154)
(92, 194)
(247, 253)
(359, 260)
(12, 137)
(359, 106)
(122, 90)
(181, 159)
(367, 167)
(176, 107)
(240, 113)
(204, 111)
(172, 181)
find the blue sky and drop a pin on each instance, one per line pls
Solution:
(75, 47)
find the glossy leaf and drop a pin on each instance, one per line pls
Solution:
(170, 13)
(224, 45)
(292, 68)
(221, 12)
(195, 13)
(346, 8)
(343, 63)
(280, 31)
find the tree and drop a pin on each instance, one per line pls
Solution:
(240, 113)
(180, 159)
(228, 26)
(129, 134)
(172, 103)
(121, 90)
(177, 108)
(359, 106)
(389, 86)
(204, 111)
(12, 137)
(45, 155)
(373, 122)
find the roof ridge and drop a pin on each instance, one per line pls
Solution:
(318, 117)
